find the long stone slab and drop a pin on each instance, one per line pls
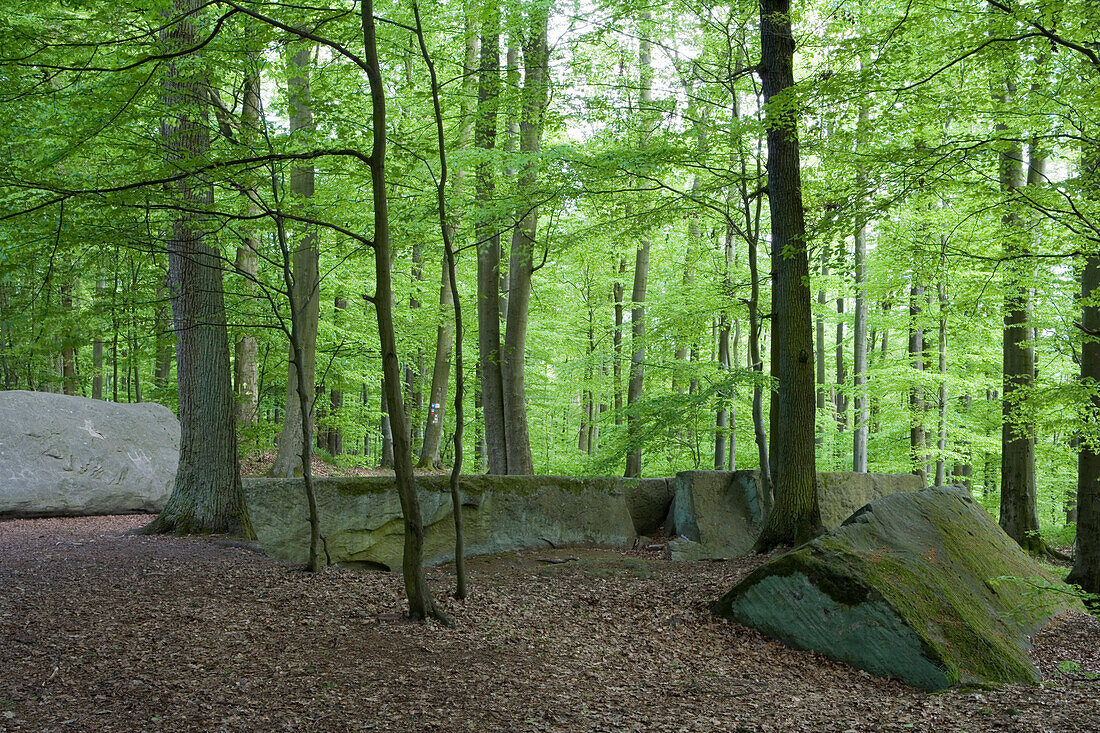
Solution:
(362, 525)
(62, 455)
(718, 514)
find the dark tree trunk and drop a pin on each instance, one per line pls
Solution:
(1086, 562)
(421, 604)
(488, 248)
(207, 495)
(795, 517)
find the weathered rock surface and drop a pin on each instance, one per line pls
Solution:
(648, 501)
(841, 493)
(717, 514)
(714, 514)
(921, 586)
(361, 516)
(68, 456)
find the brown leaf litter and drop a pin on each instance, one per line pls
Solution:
(106, 631)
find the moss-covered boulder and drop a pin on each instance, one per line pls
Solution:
(921, 586)
(717, 514)
(361, 516)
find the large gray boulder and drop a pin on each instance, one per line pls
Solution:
(718, 514)
(69, 456)
(921, 586)
(361, 516)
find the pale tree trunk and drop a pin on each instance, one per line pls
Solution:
(306, 282)
(68, 348)
(521, 266)
(162, 324)
(488, 247)
(207, 495)
(859, 353)
(819, 341)
(641, 274)
(246, 364)
(97, 344)
(334, 437)
(917, 407)
(840, 398)
(941, 440)
(795, 517)
(444, 337)
(618, 292)
(385, 459)
(637, 360)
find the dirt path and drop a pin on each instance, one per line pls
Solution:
(103, 631)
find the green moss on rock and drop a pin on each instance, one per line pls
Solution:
(909, 566)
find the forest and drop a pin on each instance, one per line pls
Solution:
(571, 238)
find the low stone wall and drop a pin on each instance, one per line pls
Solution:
(718, 514)
(361, 516)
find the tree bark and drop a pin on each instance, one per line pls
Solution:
(795, 517)
(306, 280)
(246, 366)
(521, 265)
(917, 406)
(421, 604)
(207, 495)
(488, 248)
(641, 274)
(445, 332)
(1019, 515)
(859, 353)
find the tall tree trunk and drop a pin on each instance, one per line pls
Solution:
(1086, 562)
(641, 272)
(444, 338)
(207, 495)
(941, 440)
(795, 517)
(536, 56)
(618, 292)
(97, 344)
(246, 364)
(306, 281)
(1019, 511)
(488, 247)
(917, 406)
(859, 353)
(68, 347)
(334, 437)
(819, 342)
(637, 360)
(421, 604)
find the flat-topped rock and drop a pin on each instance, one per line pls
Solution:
(718, 514)
(69, 456)
(921, 586)
(361, 516)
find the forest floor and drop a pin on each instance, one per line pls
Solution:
(106, 631)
